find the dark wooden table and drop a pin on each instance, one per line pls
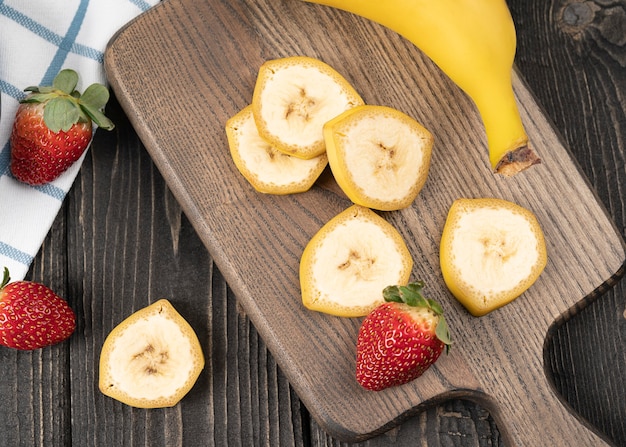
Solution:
(121, 241)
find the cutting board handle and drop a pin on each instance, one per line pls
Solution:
(533, 413)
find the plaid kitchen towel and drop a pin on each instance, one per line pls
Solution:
(39, 38)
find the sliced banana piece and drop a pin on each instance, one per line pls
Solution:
(350, 260)
(267, 169)
(379, 156)
(293, 97)
(151, 359)
(491, 252)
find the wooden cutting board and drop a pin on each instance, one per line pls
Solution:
(183, 68)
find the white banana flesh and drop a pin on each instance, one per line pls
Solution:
(349, 262)
(363, 259)
(390, 164)
(265, 167)
(491, 251)
(494, 251)
(149, 366)
(151, 359)
(293, 98)
(379, 156)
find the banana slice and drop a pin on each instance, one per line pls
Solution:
(379, 156)
(267, 169)
(491, 252)
(350, 260)
(293, 98)
(151, 359)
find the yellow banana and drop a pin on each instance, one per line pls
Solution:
(473, 42)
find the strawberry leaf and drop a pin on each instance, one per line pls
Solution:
(39, 89)
(435, 306)
(412, 296)
(392, 294)
(38, 97)
(66, 81)
(416, 286)
(443, 333)
(5, 279)
(61, 114)
(97, 117)
(96, 96)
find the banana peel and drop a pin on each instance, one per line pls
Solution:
(474, 44)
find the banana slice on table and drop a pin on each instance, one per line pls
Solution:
(350, 260)
(151, 359)
(491, 252)
(293, 97)
(267, 169)
(379, 156)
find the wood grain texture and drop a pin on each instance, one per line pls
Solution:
(184, 43)
(136, 226)
(139, 246)
(575, 62)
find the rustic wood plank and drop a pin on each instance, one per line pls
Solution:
(241, 397)
(252, 409)
(452, 423)
(129, 245)
(193, 38)
(572, 55)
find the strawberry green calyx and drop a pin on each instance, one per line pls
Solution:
(411, 295)
(5, 279)
(66, 106)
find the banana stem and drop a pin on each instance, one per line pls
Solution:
(509, 150)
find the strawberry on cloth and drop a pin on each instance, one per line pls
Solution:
(39, 39)
(53, 127)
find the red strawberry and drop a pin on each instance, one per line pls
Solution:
(400, 339)
(32, 316)
(53, 127)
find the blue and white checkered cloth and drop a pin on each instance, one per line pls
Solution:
(38, 38)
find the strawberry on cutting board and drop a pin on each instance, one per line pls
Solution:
(53, 126)
(400, 338)
(32, 316)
